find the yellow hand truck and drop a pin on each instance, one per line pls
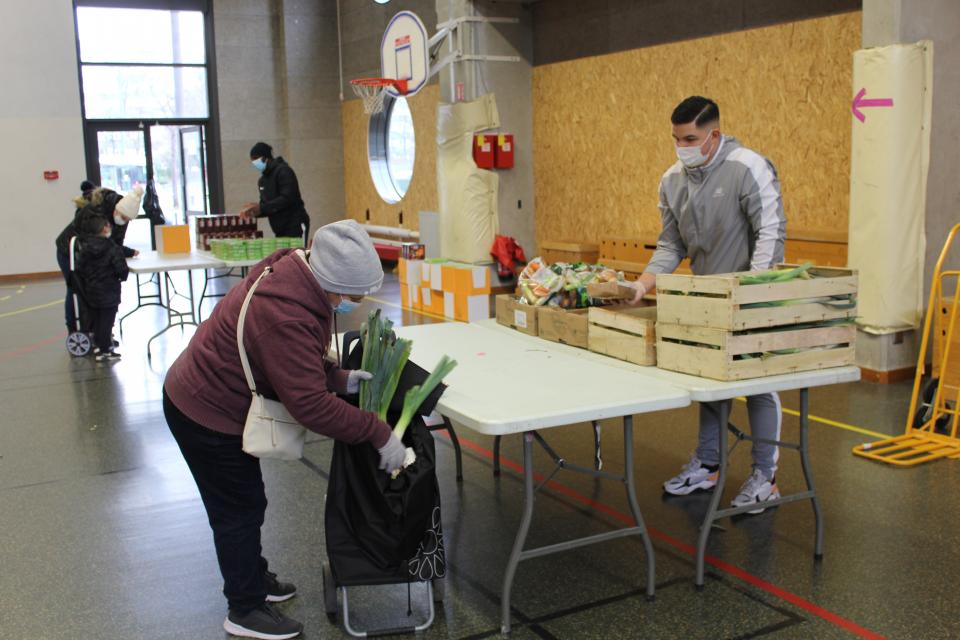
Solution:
(931, 432)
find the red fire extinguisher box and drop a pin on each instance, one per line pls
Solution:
(484, 151)
(504, 158)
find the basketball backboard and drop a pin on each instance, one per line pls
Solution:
(403, 53)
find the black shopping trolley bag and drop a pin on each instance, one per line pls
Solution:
(383, 530)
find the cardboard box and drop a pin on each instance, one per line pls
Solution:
(431, 274)
(410, 297)
(431, 301)
(567, 326)
(409, 271)
(464, 279)
(466, 308)
(174, 238)
(517, 315)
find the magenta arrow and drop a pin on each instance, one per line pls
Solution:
(859, 101)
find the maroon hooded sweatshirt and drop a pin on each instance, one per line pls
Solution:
(287, 335)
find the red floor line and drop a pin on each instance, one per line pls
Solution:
(32, 347)
(726, 567)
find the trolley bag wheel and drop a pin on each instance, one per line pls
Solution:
(438, 589)
(329, 594)
(79, 344)
(928, 400)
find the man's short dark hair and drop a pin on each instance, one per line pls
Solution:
(696, 109)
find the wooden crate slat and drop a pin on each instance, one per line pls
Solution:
(698, 284)
(564, 326)
(698, 311)
(636, 320)
(623, 346)
(779, 316)
(794, 290)
(711, 363)
(713, 352)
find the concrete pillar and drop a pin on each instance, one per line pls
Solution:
(511, 83)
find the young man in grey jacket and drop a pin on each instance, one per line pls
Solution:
(720, 206)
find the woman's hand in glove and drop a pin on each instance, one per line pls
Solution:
(354, 378)
(392, 454)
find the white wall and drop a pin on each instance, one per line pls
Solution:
(40, 129)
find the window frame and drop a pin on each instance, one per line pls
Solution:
(210, 124)
(378, 153)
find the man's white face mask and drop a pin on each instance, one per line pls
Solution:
(692, 157)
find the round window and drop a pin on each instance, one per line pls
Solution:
(391, 149)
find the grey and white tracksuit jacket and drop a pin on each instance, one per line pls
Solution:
(725, 216)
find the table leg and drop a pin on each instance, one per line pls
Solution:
(724, 409)
(807, 472)
(634, 506)
(528, 498)
(496, 455)
(597, 456)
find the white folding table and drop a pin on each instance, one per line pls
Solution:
(707, 390)
(152, 262)
(229, 266)
(489, 391)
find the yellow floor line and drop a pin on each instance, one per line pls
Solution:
(834, 423)
(425, 314)
(5, 298)
(25, 310)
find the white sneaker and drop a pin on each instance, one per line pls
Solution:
(756, 489)
(693, 477)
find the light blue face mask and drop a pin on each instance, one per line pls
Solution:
(346, 305)
(259, 164)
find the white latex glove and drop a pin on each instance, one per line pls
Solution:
(392, 455)
(354, 378)
(640, 292)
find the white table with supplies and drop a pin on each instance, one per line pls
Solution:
(152, 262)
(707, 390)
(484, 394)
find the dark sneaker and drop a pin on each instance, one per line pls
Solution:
(108, 356)
(264, 622)
(278, 591)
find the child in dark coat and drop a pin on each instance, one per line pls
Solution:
(101, 268)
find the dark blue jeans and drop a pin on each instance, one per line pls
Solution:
(63, 261)
(231, 487)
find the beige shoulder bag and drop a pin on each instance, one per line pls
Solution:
(270, 430)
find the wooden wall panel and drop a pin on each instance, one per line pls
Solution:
(361, 195)
(602, 124)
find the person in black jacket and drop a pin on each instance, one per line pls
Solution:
(107, 204)
(101, 268)
(280, 199)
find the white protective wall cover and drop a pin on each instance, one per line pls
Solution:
(888, 184)
(467, 195)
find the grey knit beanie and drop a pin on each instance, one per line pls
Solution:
(344, 261)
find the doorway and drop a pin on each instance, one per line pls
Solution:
(124, 155)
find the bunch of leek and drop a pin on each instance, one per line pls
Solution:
(777, 275)
(385, 356)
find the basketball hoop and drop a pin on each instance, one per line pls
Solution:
(373, 90)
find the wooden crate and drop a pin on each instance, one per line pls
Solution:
(517, 315)
(625, 333)
(567, 326)
(571, 252)
(721, 302)
(724, 355)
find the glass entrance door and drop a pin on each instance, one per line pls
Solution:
(194, 167)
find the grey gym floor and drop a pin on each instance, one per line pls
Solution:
(104, 535)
